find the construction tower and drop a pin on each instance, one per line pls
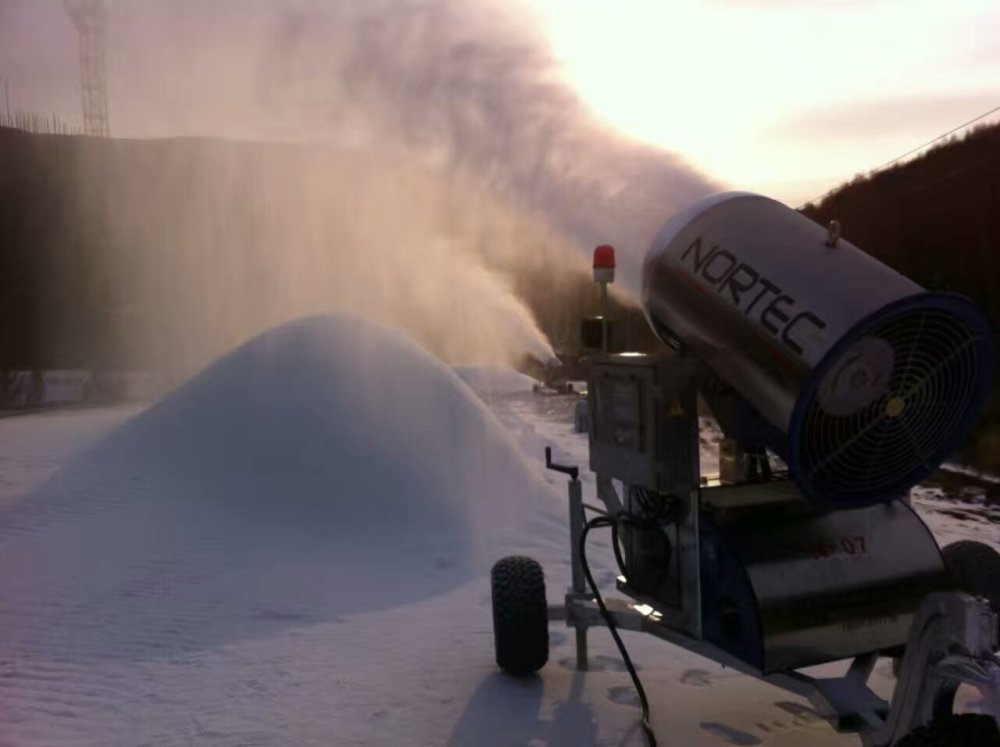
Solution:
(89, 17)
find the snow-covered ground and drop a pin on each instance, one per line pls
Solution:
(293, 549)
(33, 447)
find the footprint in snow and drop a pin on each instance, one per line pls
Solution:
(696, 678)
(623, 695)
(729, 734)
(803, 713)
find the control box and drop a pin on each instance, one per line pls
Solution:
(644, 421)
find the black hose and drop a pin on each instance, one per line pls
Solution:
(612, 522)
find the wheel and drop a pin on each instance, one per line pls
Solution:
(961, 730)
(974, 567)
(520, 615)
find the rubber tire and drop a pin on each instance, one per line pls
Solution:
(956, 730)
(974, 567)
(520, 615)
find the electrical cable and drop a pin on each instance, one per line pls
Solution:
(897, 159)
(612, 522)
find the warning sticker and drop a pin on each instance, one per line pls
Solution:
(675, 410)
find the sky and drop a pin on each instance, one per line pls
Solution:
(784, 97)
(781, 97)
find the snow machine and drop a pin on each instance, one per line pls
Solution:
(838, 385)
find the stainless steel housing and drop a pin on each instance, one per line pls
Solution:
(864, 382)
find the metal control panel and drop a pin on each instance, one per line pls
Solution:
(644, 421)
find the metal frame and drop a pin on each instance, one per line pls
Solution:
(952, 636)
(952, 641)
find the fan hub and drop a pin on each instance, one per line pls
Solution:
(895, 406)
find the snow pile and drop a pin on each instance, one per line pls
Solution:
(496, 379)
(327, 467)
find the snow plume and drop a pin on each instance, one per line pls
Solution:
(232, 238)
(438, 151)
(475, 87)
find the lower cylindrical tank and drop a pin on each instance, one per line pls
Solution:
(782, 590)
(867, 381)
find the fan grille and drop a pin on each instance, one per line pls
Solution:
(904, 434)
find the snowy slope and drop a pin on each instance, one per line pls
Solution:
(293, 550)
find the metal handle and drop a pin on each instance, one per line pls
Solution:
(573, 472)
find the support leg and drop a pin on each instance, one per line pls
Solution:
(579, 588)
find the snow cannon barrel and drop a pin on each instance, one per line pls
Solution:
(864, 382)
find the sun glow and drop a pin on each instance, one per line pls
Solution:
(741, 88)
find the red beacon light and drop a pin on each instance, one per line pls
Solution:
(604, 264)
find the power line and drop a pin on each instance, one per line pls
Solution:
(910, 152)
